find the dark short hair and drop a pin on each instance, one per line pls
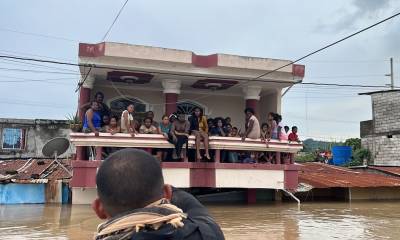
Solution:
(264, 124)
(148, 118)
(294, 127)
(115, 117)
(129, 179)
(286, 127)
(99, 93)
(249, 109)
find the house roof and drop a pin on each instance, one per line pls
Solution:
(320, 175)
(387, 169)
(42, 168)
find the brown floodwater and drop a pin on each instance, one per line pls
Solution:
(314, 221)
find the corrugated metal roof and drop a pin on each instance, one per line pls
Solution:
(387, 169)
(37, 167)
(321, 175)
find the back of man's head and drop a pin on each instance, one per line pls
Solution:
(127, 180)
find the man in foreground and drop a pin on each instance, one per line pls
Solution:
(136, 203)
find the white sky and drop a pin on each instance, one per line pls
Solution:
(284, 29)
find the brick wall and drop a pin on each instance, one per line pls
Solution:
(386, 111)
(385, 151)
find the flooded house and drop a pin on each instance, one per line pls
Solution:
(166, 81)
(26, 175)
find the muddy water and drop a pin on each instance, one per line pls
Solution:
(314, 221)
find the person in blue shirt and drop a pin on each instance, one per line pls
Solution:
(93, 120)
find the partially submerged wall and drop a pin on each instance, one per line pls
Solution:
(36, 133)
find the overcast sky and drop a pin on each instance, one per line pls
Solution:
(271, 29)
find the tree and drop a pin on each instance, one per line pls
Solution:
(355, 143)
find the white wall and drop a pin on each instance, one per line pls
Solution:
(246, 178)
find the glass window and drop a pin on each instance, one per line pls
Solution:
(13, 138)
(187, 107)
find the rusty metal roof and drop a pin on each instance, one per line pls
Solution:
(44, 168)
(387, 169)
(321, 175)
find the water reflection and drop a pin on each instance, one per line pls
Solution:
(314, 221)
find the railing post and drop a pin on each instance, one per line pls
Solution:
(278, 157)
(291, 156)
(217, 155)
(99, 153)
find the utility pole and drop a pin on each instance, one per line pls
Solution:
(391, 74)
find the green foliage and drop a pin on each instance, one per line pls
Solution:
(305, 157)
(310, 145)
(355, 143)
(73, 119)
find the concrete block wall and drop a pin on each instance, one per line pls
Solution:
(386, 111)
(384, 151)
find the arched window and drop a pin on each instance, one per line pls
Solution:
(117, 106)
(187, 107)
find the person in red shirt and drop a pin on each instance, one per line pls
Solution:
(293, 135)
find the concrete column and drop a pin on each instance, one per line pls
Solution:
(172, 88)
(84, 99)
(252, 97)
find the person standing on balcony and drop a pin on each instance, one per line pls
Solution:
(103, 108)
(199, 128)
(252, 125)
(273, 125)
(127, 120)
(92, 121)
(179, 134)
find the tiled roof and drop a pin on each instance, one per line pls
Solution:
(36, 166)
(387, 169)
(321, 175)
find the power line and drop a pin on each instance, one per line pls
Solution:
(163, 73)
(39, 35)
(330, 45)
(16, 62)
(104, 37)
(193, 75)
(37, 71)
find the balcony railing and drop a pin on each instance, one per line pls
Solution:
(149, 141)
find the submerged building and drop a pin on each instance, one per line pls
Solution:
(381, 135)
(168, 80)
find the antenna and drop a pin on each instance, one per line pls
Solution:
(56, 147)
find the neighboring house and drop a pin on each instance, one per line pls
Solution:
(25, 138)
(381, 135)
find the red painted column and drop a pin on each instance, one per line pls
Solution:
(253, 103)
(170, 103)
(251, 196)
(84, 98)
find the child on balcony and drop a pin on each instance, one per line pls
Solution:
(127, 121)
(148, 127)
(293, 137)
(112, 127)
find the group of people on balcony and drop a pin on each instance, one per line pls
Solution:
(177, 129)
